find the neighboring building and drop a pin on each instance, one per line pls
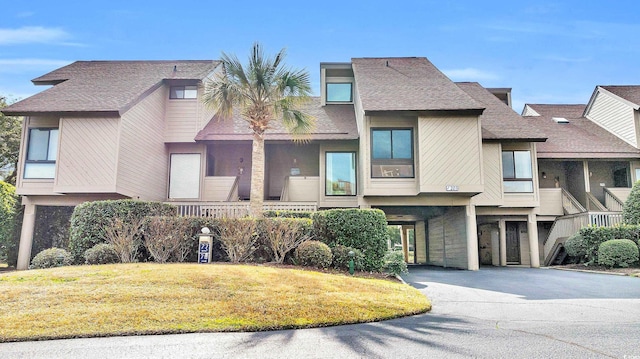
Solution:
(451, 163)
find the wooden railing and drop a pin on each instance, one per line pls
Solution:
(593, 204)
(236, 209)
(612, 201)
(566, 226)
(570, 204)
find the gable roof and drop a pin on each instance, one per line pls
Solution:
(105, 86)
(333, 122)
(499, 121)
(407, 84)
(580, 138)
(630, 93)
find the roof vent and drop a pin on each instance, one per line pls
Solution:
(560, 119)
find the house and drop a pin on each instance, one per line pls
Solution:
(450, 163)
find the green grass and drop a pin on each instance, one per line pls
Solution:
(147, 298)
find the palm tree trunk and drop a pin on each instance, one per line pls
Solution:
(257, 176)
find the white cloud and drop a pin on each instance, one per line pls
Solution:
(29, 64)
(470, 74)
(33, 34)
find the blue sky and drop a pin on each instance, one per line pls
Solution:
(547, 51)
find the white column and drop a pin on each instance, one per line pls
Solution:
(532, 228)
(473, 262)
(26, 237)
(503, 242)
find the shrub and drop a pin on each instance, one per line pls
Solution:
(52, 257)
(618, 253)
(314, 254)
(575, 248)
(168, 238)
(238, 237)
(363, 229)
(90, 218)
(102, 253)
(341, 257)
(124, 237)
(8, 203)
(287, 214)
(51, 228)
(394, 263)
(285, 234)
(631, 208)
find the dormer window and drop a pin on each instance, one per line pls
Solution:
(183, 92)
(339, 92)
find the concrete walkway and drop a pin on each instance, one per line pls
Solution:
(491, 313)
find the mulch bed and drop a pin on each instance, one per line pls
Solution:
(597, 268)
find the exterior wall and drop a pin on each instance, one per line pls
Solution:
(528, 111)
(601, 176)
(450, 154)
(392, 185)
(33, 186)
(614, 115)
(576, 182)
(142, 158)
(420, 245)
(525, 251)
(553, 170)
(281, 158)
(87, 155)
(523, 199)
(218, 188)
(184, 117)
(492, 165)
(448, 239)
(177, 148)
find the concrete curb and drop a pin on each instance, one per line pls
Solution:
(591, 271)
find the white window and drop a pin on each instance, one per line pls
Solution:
(340, 174)
(339, 92)
(184, 175)
(183, 92)
(516, 171)
(42, 149)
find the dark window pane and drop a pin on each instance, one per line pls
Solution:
(339, 92)
(508, 167)
(176, 92)
(402, 144)
(381, 144)
(38, 145)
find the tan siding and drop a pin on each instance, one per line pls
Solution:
(31, 186)
(448, 239)
(525, 251)
(614, 116)
(551, 202)
(303, 189)
(205, 113)
(182, 120)
(491, 158)
(450, 154)
(87, 155)
(142, 160)
(523, 199)
(528, 111)
(218, 188)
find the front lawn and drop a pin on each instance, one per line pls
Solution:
(148, 298)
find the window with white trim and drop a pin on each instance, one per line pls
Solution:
(42, 149)
(340, 173)
(517, 171)
(183, 92)
(339, 92)
(184, 176)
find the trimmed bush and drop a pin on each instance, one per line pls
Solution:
(52, 257)
(631, 208)
(314, 254)
(102, 253)
(341, 258)
(89, 220)
(363, 229)
(168, 238)
(283, 235)
(238, 237)
(575, 248)
(594, 236)
(394, 263)
(618, 253)
(287, 214)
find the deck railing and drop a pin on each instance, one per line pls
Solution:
(236, 209)
(611, 200)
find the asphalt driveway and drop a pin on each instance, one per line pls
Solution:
(491, 313)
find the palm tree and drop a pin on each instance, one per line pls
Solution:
(261, 92)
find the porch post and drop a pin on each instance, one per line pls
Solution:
(503, 242)
(26, 236)
(405, 243)
(534, 250)
(473, 263)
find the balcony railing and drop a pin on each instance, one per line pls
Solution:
(236, 209)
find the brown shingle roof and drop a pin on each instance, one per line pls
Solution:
(499, 121)
(629, 93)
(580, 138)
(407, 84)
(333, 122)
(105, 86)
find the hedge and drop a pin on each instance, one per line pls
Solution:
(8, 212)
(618, 253)
(592, 237)
(90, 218)
(363, 229)
(631, 208)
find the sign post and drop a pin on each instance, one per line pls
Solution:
(205, 241)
